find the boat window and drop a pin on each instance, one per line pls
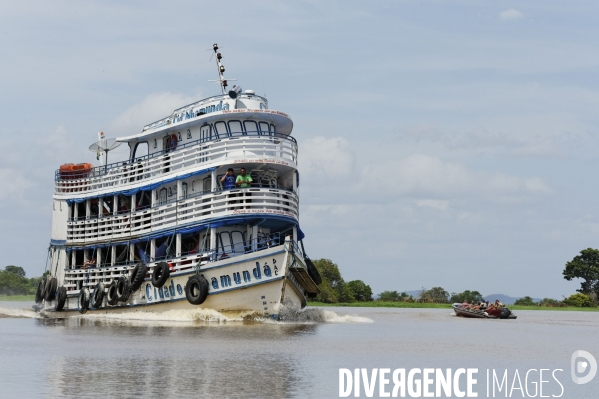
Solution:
(207, 184)
(205, 133)
(122, 254)
(184, 190)
(225, 241)
(141, 150)
(79, 258)
(272, 129)
(238, 242)
(264, 128)
(235, 128)
(162, 197)
(221, 129)
(81, 210)
(251, 128)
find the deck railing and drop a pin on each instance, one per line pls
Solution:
(77, 277)
(275, 148)
(184, 212)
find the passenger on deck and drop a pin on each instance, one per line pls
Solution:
(228, 179)
(243, 181)
(89, 263)
(465, 304)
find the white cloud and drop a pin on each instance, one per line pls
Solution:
(151, 108)
(427, 176)
(440, 205)
(510, 15)
(536, 141)
(326, 158)
(13, 183)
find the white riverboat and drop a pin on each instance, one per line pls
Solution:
(168, 230)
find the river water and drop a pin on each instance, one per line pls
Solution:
(205, 354)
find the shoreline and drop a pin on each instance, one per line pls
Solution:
(372, 304)
(417, 305)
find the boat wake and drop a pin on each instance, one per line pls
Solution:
(210, 316)
(287, 315)
(18, 313)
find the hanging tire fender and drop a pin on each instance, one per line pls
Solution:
(160, 274)
(39, 293)
(61, 298)
(83, 300)
(111, 296)
(51, 286)
(196, 289)
(123, 289)
(138, 275)
(98, 297)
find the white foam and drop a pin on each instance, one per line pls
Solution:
(287, 315)
(176, 315)
(19, 313)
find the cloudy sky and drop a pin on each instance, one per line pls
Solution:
(442, 143)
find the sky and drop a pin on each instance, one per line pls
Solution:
(441, 143)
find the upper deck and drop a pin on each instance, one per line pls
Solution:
(211, 150)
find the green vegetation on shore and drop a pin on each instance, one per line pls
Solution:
(17, 298)
(424, 305)
(14, 282)
(336, 292)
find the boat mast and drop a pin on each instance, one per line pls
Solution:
(221, 69)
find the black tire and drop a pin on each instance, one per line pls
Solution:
(98, 297)
(51, 287)
(83, 300)
(111, 297)
(160, 274)
(123, 289)
(61, 298)
(313, 272)
(138, 275)
(196, 289)
(39, 293)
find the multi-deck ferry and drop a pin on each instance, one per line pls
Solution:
(173, 227)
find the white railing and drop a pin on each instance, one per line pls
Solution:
(184, 212)
(267, 149)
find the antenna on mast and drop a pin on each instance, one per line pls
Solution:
(221, 70)
(103, 145)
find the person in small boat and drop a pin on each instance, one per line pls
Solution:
(465, 304)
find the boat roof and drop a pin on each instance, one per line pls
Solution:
(221, 107)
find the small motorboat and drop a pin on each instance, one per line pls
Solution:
(479, 314)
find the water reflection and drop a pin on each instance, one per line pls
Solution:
(131, 358)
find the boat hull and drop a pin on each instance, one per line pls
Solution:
(475, 314)
(254, 284)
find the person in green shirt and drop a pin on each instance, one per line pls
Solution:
(243, 179)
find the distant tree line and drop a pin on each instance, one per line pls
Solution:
(14, 282)
(334, 289)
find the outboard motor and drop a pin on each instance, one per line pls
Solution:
(505, 313)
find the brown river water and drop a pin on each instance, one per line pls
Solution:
(205, 354)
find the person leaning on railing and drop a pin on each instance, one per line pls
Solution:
(243, 181)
